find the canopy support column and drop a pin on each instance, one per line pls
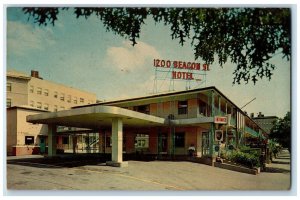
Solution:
(117, 144)
(51, 140)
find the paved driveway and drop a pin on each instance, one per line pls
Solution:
(38, 174)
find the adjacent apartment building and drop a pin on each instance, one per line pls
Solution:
(31, 94)
(266, 122)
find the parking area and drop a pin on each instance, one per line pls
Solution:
(37, 173)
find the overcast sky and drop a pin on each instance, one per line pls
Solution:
(80, 53)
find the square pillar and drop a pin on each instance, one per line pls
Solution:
(74, 146)
(219, 105)
(117, 144)
(212, 101)
(211, 139)
(51, 140)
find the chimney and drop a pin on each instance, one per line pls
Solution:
(252, 115)
(260, 115)
(35, 74)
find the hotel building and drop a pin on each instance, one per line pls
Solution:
(162, 125)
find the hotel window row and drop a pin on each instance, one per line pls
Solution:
(8, 87)
(61, 96)
(45, 106)
(8, 103)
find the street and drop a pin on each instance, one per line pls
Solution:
(33, 174)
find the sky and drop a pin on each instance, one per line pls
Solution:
(80, 53)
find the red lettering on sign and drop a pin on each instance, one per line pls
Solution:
(222, 120)
(180, 65)
(182, 75)
(175, 64)
(168, 64)
(205, 67)
(173, 75)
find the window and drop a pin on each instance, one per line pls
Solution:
(29, 140)
(203, 108)
(8, 103)
(55, 108)
(69, 99)
(8, 87)
(39, 105)
(55, 95)
(143, 109)
(46, 106)
(65, 140)
(75, 100)
(31, 89)
(62, 97)
(182, 107)
(179, 139)
(141, 141)
(39, 90)
(46, 92)
(108, 141)
(31, 103)
(81, 100)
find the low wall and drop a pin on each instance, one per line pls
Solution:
(236, 168)
(25, 150)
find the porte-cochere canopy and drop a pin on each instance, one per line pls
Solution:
(96, 117)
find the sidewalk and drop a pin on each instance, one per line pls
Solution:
(23, 157)
(281, 164)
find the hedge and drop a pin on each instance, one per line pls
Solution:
(247, 159)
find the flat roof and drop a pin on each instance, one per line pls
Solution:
(169, 94)
(266, 117)
(163, 95)
(17, 74)
(96, 117)
(100, 114)
(26, 107)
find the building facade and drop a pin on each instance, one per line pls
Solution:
(24, 138)
(163, 125)
(27, 95)
(42, 94)
(265, 122)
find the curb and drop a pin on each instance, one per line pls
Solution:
(237, 168)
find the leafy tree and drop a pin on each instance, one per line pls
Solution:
(281, 131)
(247, 37)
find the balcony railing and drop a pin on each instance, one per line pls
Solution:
(232, 119)
(251, 131)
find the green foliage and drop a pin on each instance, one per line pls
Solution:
(247, 37)
(274, 148)
(281, 131)
(246, 159)
(254, 151)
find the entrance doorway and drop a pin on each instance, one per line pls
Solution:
(163, 143)
(42, 144)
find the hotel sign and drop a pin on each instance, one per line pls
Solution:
(181, 65)
(220, 120)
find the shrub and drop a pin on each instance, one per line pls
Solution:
(246, 159)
